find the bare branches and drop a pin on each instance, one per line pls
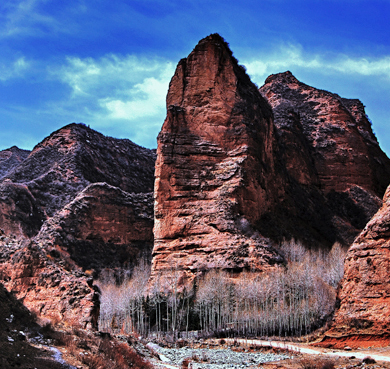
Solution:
(290, 301)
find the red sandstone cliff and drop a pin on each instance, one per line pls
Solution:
(363, 318)
(328, 147)
(215, 166)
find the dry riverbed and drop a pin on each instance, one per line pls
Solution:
(242, 354)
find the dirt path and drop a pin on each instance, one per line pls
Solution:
(307, 349)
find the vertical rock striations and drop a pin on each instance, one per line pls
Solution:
(215, 167)
(232, 174)
(363, 318)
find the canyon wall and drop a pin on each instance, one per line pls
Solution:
(363, 317)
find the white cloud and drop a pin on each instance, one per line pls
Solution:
(293, 56)
(118, 93)
(112, 75)
(147, 99)
(13, 70)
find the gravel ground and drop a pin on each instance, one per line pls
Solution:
(218, 358)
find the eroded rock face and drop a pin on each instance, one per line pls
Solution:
(86, 226)
(363, 318)
(328, 147)
(230, 181)
(103, 227)
(215, 166)
(20, 215)
(339, 149)
(59, 292)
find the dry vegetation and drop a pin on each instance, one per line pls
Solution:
(292, 301)
(84, 348)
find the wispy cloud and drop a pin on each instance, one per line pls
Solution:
(14, 69)
(294, 56)
(111, 74)
(25, 17)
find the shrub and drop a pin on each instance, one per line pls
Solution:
(368, 360)
(316, 363)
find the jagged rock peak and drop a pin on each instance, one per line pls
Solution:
(285, 77)
(61, 166)
(210, 74)
(10, 158)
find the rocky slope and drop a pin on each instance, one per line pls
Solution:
(20, 214)
(79, 202)
(11, 158)
(363, 318)
(69, 159)
(60, 167)
(56, 291)
(103, 227)
(16, 325)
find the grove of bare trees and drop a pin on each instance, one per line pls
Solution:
(291, 301)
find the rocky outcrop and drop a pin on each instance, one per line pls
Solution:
(103, 227)
(60, 167)
(71, 158)
(88, 196)
(11, 158)
(363, 318)
(339, 149)
(20, 215)
(215, 168)
(329, 149)
(58, 292)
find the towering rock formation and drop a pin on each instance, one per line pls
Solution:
(363, 318)
(215, 167)
(233, 176)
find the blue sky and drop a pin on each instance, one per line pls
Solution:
(108, 63)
